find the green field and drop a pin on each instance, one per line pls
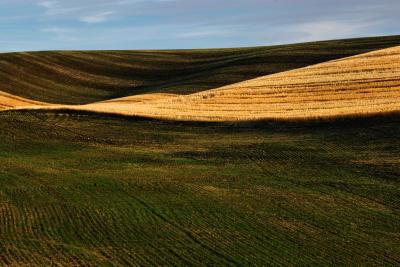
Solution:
(87, 76)
(81, 189)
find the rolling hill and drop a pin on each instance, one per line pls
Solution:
(362, 85)
(81, 77)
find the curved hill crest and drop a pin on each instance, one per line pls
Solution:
(82, 77)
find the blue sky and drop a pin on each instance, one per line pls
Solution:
(167, 24)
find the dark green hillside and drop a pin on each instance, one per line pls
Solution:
(82, 77)
(99, 191)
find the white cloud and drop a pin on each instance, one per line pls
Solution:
(96, 18)
(48, 4)
(324, 30)
(83, 24)
(200, 31)
(57, 30)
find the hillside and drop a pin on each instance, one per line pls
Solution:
(356, 86)
(8, 101)
(99, 191)
(68, 77)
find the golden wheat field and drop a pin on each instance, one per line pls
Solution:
(141, 98)
(8, 101)
(355, 86)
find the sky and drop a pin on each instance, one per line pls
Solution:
(31, 25)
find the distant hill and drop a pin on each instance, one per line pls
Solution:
(356, 86)
(89, 76)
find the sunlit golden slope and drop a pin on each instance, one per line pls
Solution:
(354, 86)
(141, 98)
(8, 101)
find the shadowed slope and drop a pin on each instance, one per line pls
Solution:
(85, 77)
(355, 86)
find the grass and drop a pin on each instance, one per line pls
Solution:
(86, 189)
(79, 77)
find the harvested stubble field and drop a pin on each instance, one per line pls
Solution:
(362, 85)
(356, 86)
(140, 98)
(8, 101)
(90, 190)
